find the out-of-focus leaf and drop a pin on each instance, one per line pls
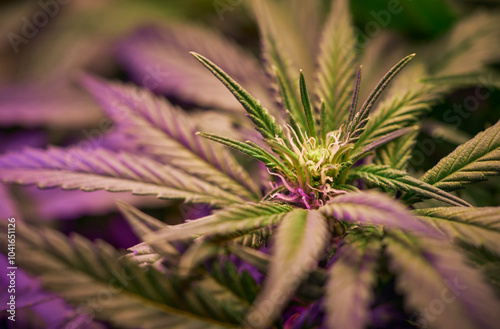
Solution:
(299, 243)
(373, 208)
(79, 271)
(431, 270)
(158, 59)
(475, 226)
(227, 223)
(336, 64)
(352, 278)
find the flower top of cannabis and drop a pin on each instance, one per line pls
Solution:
(318, 164)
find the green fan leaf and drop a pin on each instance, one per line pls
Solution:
(241, 284)
(356, 127)
(380, 142)
(406, 101)
(397, 153)
(306, 103)
(336, 64)
(266, 124)
(351, 283)
(229, 223)
(475, 226)
(103, 169)
(95, 278)
(289, 31)
(142, 225)
(471, 162)
(433, 276)
(299, 243)
(388, 178)
(250, 149)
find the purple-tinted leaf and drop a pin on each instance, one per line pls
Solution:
(158, 59)
(351, 283)
(8, 207)
(443, 291)
(57, 204)
(49, 308)
(104, 169)
(155, 127)
(299, 243)
(50, 103)
(372, 208)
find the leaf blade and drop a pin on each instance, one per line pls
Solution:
(372, 208)
(107, 170)
(151, 125)
(266, 124)
(351, 281)
(295, 259)
(383, 176)
(435, 272)
(469, 163)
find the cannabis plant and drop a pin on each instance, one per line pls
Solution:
(328, 230)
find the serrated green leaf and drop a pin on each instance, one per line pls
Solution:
(336, 64)
(475, 226)
(288, 97)
(380, 142)
(266, 124)
(357, 126)
(385, 177)
(113, 288)
(397, 153)
(471, 162)
(406, 101)
(250, 149)
(155, 127)
(229, 223)
(299, 244)
(306, 104)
